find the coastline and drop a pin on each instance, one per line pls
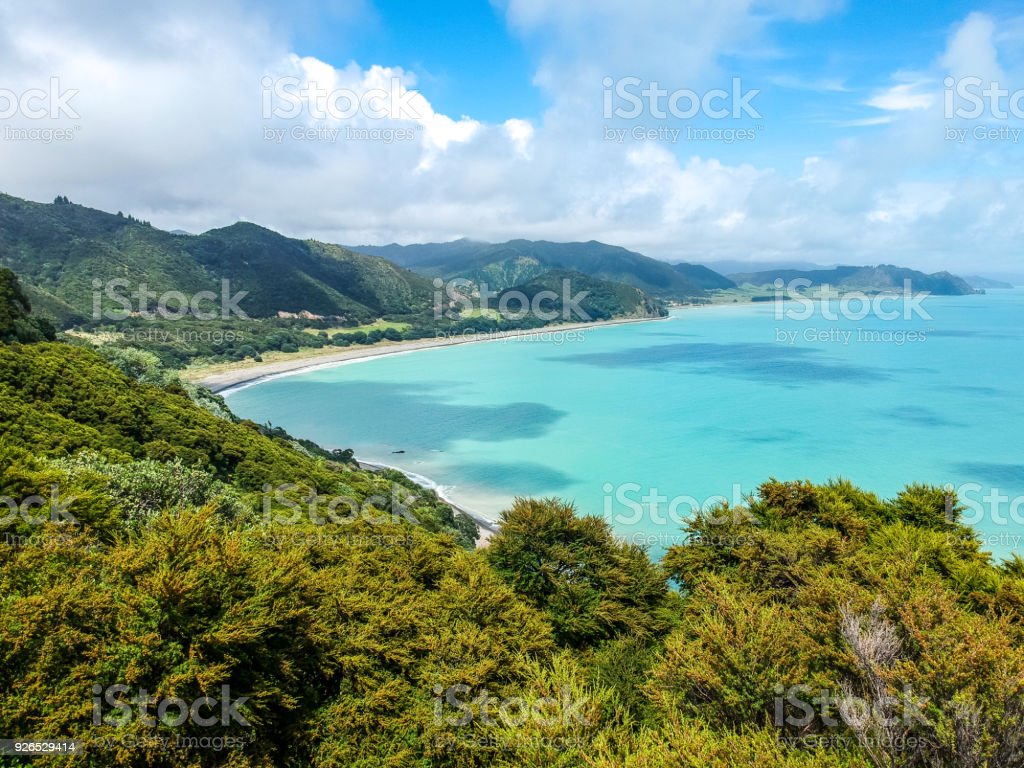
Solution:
(487, 527)
(234, 378)
(238, 378)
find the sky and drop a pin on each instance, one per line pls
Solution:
(834, 131)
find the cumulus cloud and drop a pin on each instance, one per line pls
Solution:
(173, 126)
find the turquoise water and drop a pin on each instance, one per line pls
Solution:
(706, 404)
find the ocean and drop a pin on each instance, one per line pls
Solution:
(642, 423)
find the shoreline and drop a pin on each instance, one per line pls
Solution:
(229, 381)
(233, 379)
(487, 527)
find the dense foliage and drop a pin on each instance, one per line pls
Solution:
(158, 553)
(16, 320)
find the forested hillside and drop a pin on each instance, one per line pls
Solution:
(503, 265)
(160, 551)
(244, 290)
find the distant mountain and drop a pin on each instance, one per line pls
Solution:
(983, 283)
(735, 267)
(884, 277)
(503, 265)
(424, 254)
(66, 255)
(63, 251)
(704, 277)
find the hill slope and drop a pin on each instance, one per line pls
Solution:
(502, 265)
(63, 252)
(884, 277)
(704, 277)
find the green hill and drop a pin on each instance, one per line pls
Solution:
(63, 251)
(883, 277)
(704, 277)
(603, 300)
(503, 265)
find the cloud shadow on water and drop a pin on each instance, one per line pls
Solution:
(779, 364)
(919, 415)
(402, 416)
(999, 475)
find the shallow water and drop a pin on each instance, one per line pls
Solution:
(706, 404)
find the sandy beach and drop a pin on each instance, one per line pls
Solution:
(248, 372)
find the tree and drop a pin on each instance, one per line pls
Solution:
(592, 586)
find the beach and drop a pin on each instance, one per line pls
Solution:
(249, 372)
(486, 527)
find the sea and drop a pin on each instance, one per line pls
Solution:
(644, 423)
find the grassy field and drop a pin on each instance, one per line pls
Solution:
(376, 325)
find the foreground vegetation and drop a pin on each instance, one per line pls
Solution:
(160, 551)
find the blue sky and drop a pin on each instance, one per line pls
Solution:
(814, 76)
(462, 52)
(850, 157)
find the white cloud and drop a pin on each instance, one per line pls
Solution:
(972, 50)
(172, 130)
(900, 98)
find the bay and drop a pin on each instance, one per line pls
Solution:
(704, 405)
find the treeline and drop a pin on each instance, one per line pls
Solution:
(177, 343)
